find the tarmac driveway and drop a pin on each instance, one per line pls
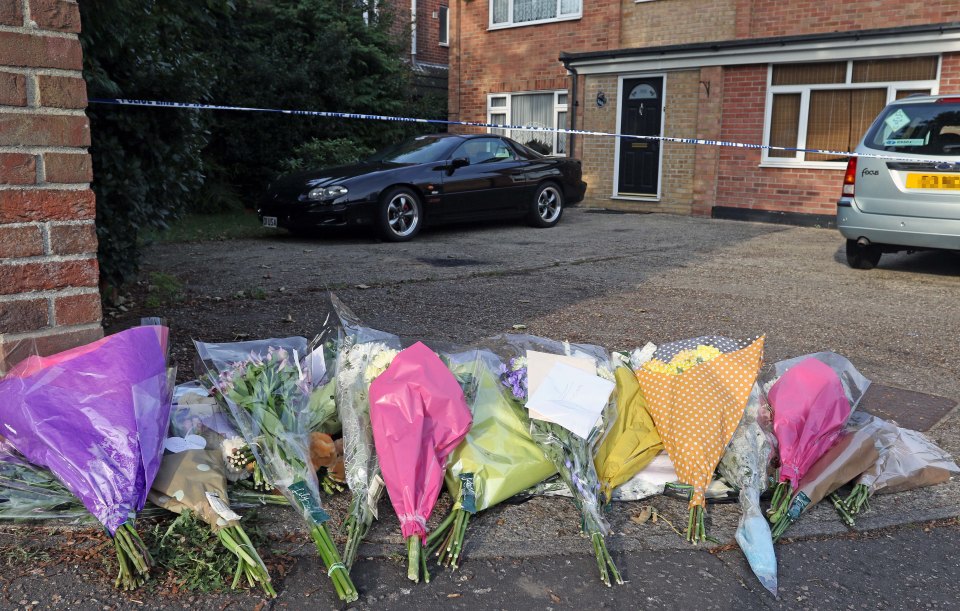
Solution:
(617, 280)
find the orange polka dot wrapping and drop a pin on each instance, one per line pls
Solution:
(697, 410)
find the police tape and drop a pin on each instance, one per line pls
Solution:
(577, 132)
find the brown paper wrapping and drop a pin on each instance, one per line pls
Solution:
(853, 454)
(185, 478)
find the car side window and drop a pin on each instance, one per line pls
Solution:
(484, 150)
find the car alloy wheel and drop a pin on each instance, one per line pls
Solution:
(400, 215)
(547, 206)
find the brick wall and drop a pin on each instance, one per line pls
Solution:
(427, 26)
(48, 244)
(950, 73)
(670, 22)
(680, 121)
(517, 59)
(428, 32)
(741, 182)
(763, 18)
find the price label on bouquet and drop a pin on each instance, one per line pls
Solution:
(373, 495)
(220, 508)
(468, 493)
(306, 500)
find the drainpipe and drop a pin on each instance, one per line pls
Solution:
(572, 110)
(413, 31)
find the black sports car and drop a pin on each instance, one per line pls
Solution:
(428, 179)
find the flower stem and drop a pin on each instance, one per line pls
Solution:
(132, 557)
(696, 527)
(235, 539)
(413, 558)
(859, 499)
(845, 516)
(336, 569)
(780, 503)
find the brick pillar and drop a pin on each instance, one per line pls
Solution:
(707, 158)
(48, 243)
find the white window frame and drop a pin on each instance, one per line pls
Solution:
(511, 24)
(445, 32)
(507, 110)
(799, 158)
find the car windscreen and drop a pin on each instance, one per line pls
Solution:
(423, 149)
(923, 129)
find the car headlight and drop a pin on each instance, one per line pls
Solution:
(326, 193)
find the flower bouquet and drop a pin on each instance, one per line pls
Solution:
(851, 455)
(812, 397)
(744, 465)
(363, 355)
(571, 454)
(419, 415)
(193, 477)
(29, 492)
(908, 459)
(632, 441)
(497, 460)
(96, 416)
(265, 391)
(696, 391)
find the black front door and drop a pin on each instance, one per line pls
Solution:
(641, 112)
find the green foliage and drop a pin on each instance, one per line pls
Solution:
(147, 162)
(309, 55)
(153, 164)
(192, 552)
(322, 153)
(164, 289)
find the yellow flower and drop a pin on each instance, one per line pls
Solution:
(683, 360)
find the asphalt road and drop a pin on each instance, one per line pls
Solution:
(617, 280)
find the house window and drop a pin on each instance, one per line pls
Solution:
(542, 109)
(442, 14)
(830, 105)
(507, 13)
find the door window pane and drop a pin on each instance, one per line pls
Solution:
(809, 74)
(784, 123)
(838, 119)
(533, 10)
(561, 137)
(536, 110)
(444, 27)
(900, 69)
(501, 11)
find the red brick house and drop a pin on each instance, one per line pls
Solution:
(425, 26)
(48, 242)
(810, 74)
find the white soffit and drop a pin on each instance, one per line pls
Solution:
(894, 45)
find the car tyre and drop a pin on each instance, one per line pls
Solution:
(400, 215)
(547, 206)
(863, 256)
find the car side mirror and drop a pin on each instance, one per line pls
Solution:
(459, 162)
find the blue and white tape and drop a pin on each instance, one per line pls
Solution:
(579, 132)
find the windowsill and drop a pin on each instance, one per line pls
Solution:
(804, 165)
(636, 198)
(444, 44)
(507, 26)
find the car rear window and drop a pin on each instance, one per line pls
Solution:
(923, 129)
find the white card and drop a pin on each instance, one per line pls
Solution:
(571, 398)
(222, 509)
(315, 365)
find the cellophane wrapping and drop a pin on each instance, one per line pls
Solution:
(96, 416)
(744, 465)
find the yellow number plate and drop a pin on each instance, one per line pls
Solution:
(933, 181)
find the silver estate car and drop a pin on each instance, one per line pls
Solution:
(910, 202)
